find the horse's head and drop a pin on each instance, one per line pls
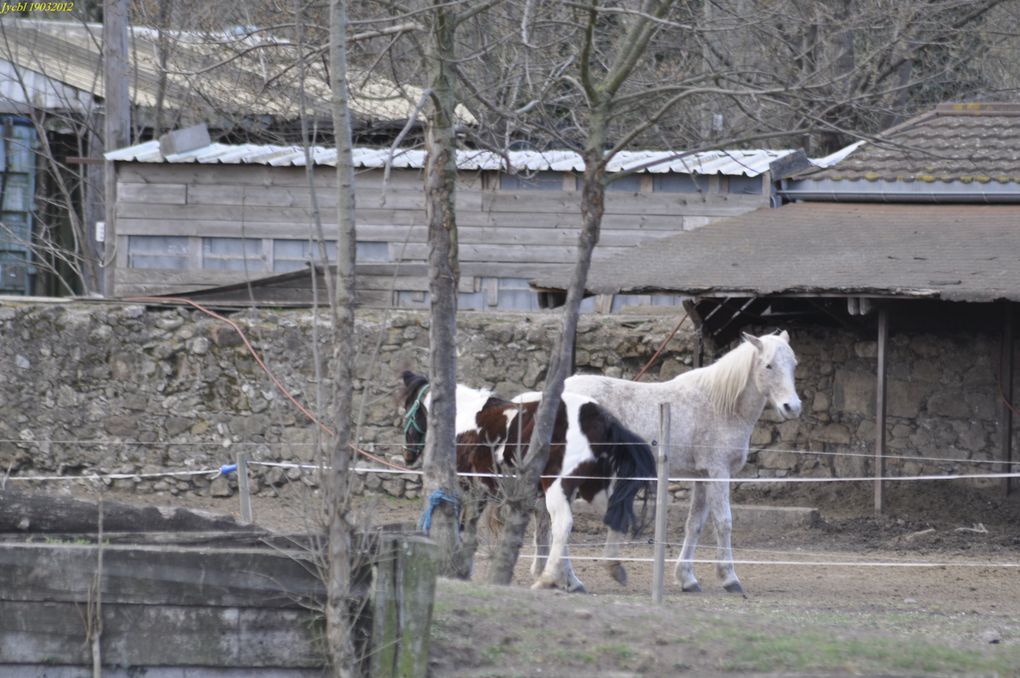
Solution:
(414, 397)
(773, 372)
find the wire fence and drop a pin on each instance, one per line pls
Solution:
(770, 557)
(395, 468)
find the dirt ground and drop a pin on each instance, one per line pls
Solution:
(932, 587)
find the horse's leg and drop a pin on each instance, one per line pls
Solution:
(557, 567)
(722, 520)
(541, 539)
(571, 583)
(612, 554)
(684, 573)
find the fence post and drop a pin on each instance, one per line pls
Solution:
(661, 504)
(243, 489)
(403, 598)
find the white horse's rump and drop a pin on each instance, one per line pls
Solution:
(713, 410)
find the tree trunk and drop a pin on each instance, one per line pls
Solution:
(338, 615)
(600, 96)
(440, 463)
(520, 491)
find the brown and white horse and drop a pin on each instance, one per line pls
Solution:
(592, 455)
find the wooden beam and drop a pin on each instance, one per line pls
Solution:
(117, 122)
(883, 335)
(1005, 383)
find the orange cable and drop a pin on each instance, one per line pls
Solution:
(661, 348)
(258, 359)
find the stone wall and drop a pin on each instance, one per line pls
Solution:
(100, 388)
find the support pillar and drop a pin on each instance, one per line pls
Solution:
(1005, 385)
(883, 335)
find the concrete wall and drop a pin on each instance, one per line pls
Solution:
(106, 388)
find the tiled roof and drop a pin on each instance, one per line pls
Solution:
(750, 163)
(948, 252)
(956, 142)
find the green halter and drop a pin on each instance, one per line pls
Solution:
(412, 413)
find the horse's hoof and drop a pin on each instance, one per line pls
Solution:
(618, 573)
(543, 584)
(734, 587)
(578, 589)
(692, 588)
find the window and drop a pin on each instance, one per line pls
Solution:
(291, 255)
(232, 254)
(628, 184)
(679, 183)
(744, 185)
(369, 251)
(536, 181)
(158, 251)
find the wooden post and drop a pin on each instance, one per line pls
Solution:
(661, 504)
(1006, 393)
(117, 123)
(243, 489)
(403, 597)
(883, 335)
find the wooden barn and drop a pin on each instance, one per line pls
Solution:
(52, 112)
(900, 262)
(218, 215)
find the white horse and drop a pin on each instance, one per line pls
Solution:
(713, 411)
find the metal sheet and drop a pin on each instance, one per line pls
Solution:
(732, 163)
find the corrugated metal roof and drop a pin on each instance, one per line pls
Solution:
(734, 163)
(970, 143)
(948, 252)
(207, 74)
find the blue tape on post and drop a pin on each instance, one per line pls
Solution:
(434, 500)
(227, 469)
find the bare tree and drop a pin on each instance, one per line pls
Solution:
(440, 483)
(440, 465)
(600, 94)
(340, 529)
(69, 192)
(607, 76)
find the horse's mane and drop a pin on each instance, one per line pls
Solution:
(727, 377)
(412, 385)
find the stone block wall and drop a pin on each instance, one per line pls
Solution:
(942, 406)
(100, 388)
(105, 389)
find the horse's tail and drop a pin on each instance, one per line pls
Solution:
(630, 458)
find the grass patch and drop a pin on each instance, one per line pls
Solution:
(817, 651)
(618, 653)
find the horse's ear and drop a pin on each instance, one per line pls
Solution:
(753, 341)
(785, 336)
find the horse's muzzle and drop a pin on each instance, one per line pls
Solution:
(790, 409)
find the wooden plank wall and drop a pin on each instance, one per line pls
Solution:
(505, 236)
(172, 610)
